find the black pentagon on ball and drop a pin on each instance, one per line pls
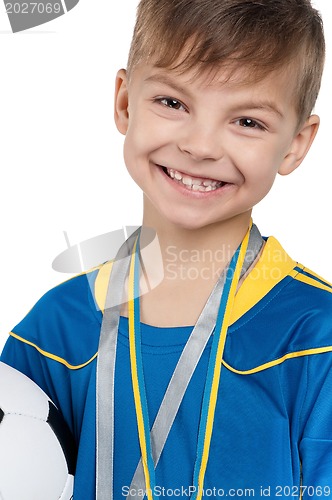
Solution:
(62, 432)
(1, 415)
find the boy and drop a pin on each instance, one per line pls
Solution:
(216, 100)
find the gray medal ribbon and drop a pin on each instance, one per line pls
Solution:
(178, 384)
(106, 371)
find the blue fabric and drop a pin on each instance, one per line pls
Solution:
(268, 425)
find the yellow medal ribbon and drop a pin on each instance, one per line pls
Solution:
(213, 374)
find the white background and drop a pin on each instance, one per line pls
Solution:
(61, 156)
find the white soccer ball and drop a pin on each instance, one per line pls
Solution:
(37, 452)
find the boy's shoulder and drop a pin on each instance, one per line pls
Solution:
(309, 299)
(64, 324)
(313, 287)
(306, 289)
(77, 299)
(276, 271)
(282, 311)
(74, 295)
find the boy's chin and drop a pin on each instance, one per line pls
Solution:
(187, 223)
(194, 223)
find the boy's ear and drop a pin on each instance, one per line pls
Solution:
(121, 102)
(300, 145)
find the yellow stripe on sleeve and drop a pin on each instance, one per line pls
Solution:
(53, 356)
(275, 362)
(311, 281)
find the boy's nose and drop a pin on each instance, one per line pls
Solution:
(201, 143)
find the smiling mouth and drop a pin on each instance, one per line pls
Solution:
(199, 184)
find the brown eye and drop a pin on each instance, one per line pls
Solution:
(247, 122)
(171, 103)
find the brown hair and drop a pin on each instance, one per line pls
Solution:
(260, 35)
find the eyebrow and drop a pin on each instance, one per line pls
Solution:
(250, 105)
(166, 80)
(260, 106)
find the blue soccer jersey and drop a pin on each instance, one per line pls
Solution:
(272, 434)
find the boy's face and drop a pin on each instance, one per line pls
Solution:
(205, 152)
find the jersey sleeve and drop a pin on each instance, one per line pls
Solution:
(27, 360)
(56, 346)
(316, 442)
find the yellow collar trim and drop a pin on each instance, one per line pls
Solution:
(101, 284)
(273, 265)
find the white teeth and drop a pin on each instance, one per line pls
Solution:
(195, 184)
(187, 181)
(209, 183)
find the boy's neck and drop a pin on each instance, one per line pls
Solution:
(192, 262)
(216, 240)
